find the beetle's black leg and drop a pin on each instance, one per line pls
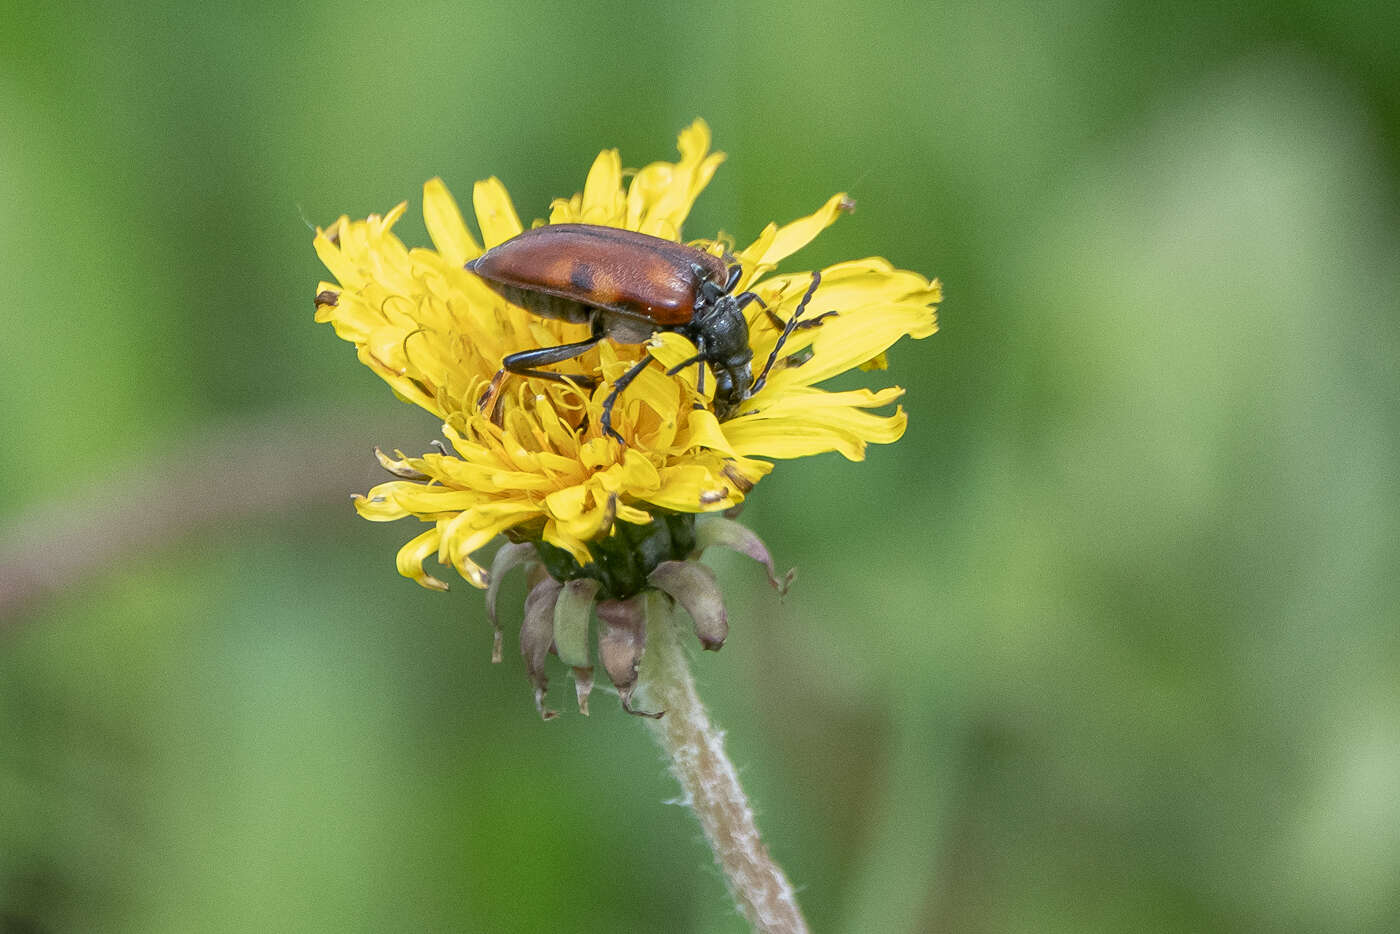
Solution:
(736, 272)
(743, 299)
(689, 361)
(778, 323)
(801, 325)
(621, 384)
(813, 322)
(787, 331)
(700, 359)
(525, 362)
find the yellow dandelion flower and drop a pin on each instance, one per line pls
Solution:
(529, 457)
(596, 471)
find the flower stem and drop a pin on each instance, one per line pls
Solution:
(695, 749)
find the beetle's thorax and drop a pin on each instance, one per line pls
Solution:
(720, 332)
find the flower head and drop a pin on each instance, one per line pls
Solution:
(529, 457)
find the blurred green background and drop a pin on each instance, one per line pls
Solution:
(1107, 643)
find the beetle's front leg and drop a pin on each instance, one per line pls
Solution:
(611, 400)
(697, 360)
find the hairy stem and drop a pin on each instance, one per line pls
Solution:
(695, 749)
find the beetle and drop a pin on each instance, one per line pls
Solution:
(627, 286)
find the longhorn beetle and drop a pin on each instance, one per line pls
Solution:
(627, 286)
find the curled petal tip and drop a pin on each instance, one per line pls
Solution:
(785, 584)
(583, 687)
(537, 637)
(399, 467)
(626, 697)
(730, 534)
(545, 712)
(509, 556)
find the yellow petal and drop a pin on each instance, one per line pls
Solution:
(662, 194)
(632, 514)
(494, 212)
(692, 488)
(845, 341)
(471, 531)
(411, 557)
(638, 473)
(328, 250)
(781, 243)
(809, 402)
(556, 537)
(379, 504)
(566, 504)
(603, 201)
(594, 522)
(445, 224)
(846, 431)
(705, 431)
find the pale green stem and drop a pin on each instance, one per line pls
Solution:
(695, 750)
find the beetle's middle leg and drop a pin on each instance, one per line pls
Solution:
(526, 363)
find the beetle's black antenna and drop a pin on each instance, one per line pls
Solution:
(787, 331)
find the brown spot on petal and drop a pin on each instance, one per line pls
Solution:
(741, 482)
(847, 205)
(710, 497)
(491, 398)
(398, 468)
(327, 298)
(609, 516)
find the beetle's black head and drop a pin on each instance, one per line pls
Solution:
(731, 388)
(722, 335)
